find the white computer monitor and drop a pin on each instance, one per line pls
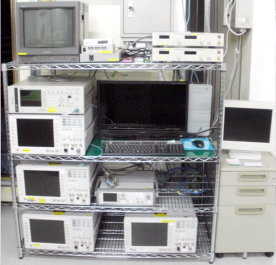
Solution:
(248, 125)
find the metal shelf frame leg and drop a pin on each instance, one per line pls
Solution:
(14, 205)
(220, 121)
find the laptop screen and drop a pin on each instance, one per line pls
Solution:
(142, 109)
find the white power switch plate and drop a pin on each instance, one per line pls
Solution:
(241, 14)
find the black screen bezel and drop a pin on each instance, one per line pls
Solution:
(149, 234)
(105, 133)
(37, 226)
(35, 133)
(50, 187)
(247, 124)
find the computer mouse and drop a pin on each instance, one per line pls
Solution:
(198, 143)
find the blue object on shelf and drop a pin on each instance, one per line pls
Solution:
(188, 145)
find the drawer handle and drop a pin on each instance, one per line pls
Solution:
(251, 191)
(250, 210)
(244, 177)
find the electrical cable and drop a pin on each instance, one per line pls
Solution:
(215, 119)
(192, 191)
(150, 165)
(162, 74)
(184, 14)
(189, 12)
(182, 168)
(191, 78)
(227, 34)
(227, 40)
(180, 75)
(108, 119)
(74, 111)
(123, 170)
(210, 129)
(181, 189)
(173, 76)
(133, 43)
(98, 149)
(95, 72)
(194, 168)
(232, 77)
(141, 52)
(234, 71)
(106, 75)
(61, 78)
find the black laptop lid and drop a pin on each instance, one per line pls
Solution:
(142, 109)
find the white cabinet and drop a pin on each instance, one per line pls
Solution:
(246, 208)
(141, 18)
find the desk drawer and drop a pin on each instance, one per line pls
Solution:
(247, 178)
(245, 229)
(246, 195)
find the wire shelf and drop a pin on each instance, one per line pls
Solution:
(168, 200)
(112, 158)
(91, 208)
(110, 243)
(14, 65)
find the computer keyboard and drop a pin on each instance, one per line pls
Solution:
(131, 126)
(140, 148)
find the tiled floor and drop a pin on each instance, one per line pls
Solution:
(9, 253)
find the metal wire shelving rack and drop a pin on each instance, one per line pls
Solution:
(136, 159)
(168, 200)
(110, 238)
(14, 65)
(110, 243)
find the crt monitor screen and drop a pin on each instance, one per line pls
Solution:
(48, 28)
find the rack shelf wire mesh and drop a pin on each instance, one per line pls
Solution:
(168, 200)
(112, 158)
(110, 243)
(203, 205)
(14, 65)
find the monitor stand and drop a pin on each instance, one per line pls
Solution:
(240, 154)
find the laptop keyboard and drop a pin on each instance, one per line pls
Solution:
(140, 148)
(132, 126)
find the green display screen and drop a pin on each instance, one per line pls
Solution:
(30, 98)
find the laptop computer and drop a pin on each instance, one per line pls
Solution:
(151, 111)
(134, 110)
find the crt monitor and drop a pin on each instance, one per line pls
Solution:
(248, 125)
(50, 31)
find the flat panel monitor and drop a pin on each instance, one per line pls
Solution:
(248, 125)
(142, 109)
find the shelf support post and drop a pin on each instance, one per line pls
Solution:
(13, 188)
